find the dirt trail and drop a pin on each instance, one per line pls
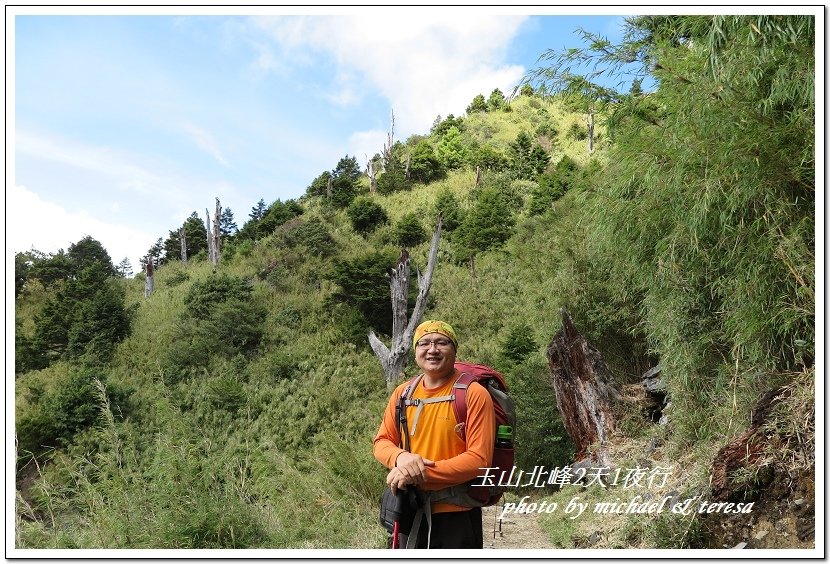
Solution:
(517, 530)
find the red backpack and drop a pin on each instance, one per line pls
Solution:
(481, 491)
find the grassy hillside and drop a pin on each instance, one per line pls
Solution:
(240, 410)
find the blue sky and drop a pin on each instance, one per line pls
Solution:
(126, 124)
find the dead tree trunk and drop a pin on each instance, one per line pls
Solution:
(373, 176)
(478, 177)
(148, 280)
(217, 234)
(387, 147)
(585, 390)
(393, 359)
(183, 243)
(591, 132)
(209, 235)
(328, 188)
(213, 234)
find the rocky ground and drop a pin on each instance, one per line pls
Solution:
(782, 517)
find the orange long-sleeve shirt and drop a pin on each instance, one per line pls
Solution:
(436, 438)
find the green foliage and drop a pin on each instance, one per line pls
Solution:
(220, 321)
(344, 186)
(54, 418)
(488, 158)
(487, 225)
(409, 231)
(540, 437)
(99, 323)
(364, 285)
(227, 224)
(689, 241)
(577, 131)
(340, 186)
(527, 160)
(88, 252)
(496, 101)
(479, 104)
(264, 221)
(195, 235)
(48, 269)
(85, 316)
(552, 186)
(519, 343)
(425, 166)
(179, 277)
(704, 217)
(277, 214)
(366, 215)
(448, 206)
(205, 294)
(312, 235)
(22, 268)
(391, 181)
(440, 127)
(450, 149)
(226, 392)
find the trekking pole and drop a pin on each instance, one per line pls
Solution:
(400, 500)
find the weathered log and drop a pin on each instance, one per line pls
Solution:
(585, 390)
(394, 359)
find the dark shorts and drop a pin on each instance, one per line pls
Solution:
(454, 529)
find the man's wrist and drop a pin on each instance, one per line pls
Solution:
(397, 456)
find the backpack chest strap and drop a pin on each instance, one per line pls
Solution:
(420, 403)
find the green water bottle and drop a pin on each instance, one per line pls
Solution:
(504, 436)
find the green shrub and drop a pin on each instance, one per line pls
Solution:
(221, 319)
(519, 343)
(448, 206)
(178, 278)
(215, 289)
(409, 231)
(366, 215)
(313, 236)
(540, 437)
(364, 285)
(55, 417)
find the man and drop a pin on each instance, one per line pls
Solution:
(438, 457)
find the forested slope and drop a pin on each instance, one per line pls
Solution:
(235, 406)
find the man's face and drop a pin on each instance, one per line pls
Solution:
(435, 354)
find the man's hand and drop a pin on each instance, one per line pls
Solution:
(409, 469)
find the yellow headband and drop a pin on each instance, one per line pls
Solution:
(433, 326)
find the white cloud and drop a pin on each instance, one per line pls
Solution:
(425, 65)
(363, 145)
(205, 141)
(121, 169)
(32, 222)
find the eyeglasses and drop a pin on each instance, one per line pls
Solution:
(440, 343)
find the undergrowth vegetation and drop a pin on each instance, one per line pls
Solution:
(235, 406)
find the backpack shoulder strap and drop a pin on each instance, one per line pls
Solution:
(459, 406)
(400, 412)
